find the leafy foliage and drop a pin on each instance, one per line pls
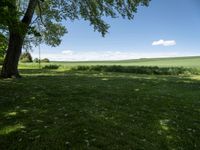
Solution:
(47, 23)
(3, 45)
(26, 57)
(45, 60)
(36, 60)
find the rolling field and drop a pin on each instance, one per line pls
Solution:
(193, 62)
(92, 110)
(161, 62)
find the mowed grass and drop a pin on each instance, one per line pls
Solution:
(63, 109)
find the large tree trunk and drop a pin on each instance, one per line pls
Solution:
(17, 31)
(10, 65)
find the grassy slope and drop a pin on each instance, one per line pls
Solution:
(163, 62)
(76, 110)
(190, 62)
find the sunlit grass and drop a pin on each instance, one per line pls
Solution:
(10, 129)
(62, 109)
(164, 124)
(11, 114)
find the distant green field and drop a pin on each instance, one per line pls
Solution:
(161, 62)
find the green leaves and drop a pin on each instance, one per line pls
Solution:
(54, 12)
(33, 30)
(53, 33)
(3, 45)
(48, 20)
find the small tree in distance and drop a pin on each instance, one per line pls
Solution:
(45, 60)
(36, 60)
(26, 57)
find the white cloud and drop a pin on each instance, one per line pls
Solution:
(164, 43)
(68, 52)
(103, 55)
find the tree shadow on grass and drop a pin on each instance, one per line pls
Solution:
(92, 110)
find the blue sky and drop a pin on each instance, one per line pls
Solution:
(166, 28)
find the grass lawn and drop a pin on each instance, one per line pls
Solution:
(60, 109)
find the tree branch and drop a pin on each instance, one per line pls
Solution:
(40, 13)
(29, 12)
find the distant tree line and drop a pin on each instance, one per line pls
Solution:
(27, 58)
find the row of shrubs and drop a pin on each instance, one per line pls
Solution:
(140, 69)
(45, 60)
(51, 67)
(36, 60)
(26, 58)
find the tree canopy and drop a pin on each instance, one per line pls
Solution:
(48, 22)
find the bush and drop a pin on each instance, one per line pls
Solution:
(45, 60)
(36, 60)
(26, 57)
(25, 60)
(140, 70)
(51, 67)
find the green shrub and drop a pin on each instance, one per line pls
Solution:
(25, 60)
(45, 60)
(81, 68)
(26, 57)
(51, 67)
(140, 69)
(36, 60)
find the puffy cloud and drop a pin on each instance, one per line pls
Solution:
(164, 43)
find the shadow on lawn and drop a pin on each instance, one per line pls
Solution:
(85, 110)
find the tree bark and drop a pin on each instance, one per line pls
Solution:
(10, 65)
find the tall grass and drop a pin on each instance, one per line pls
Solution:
(51, 66)
(140, 69)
